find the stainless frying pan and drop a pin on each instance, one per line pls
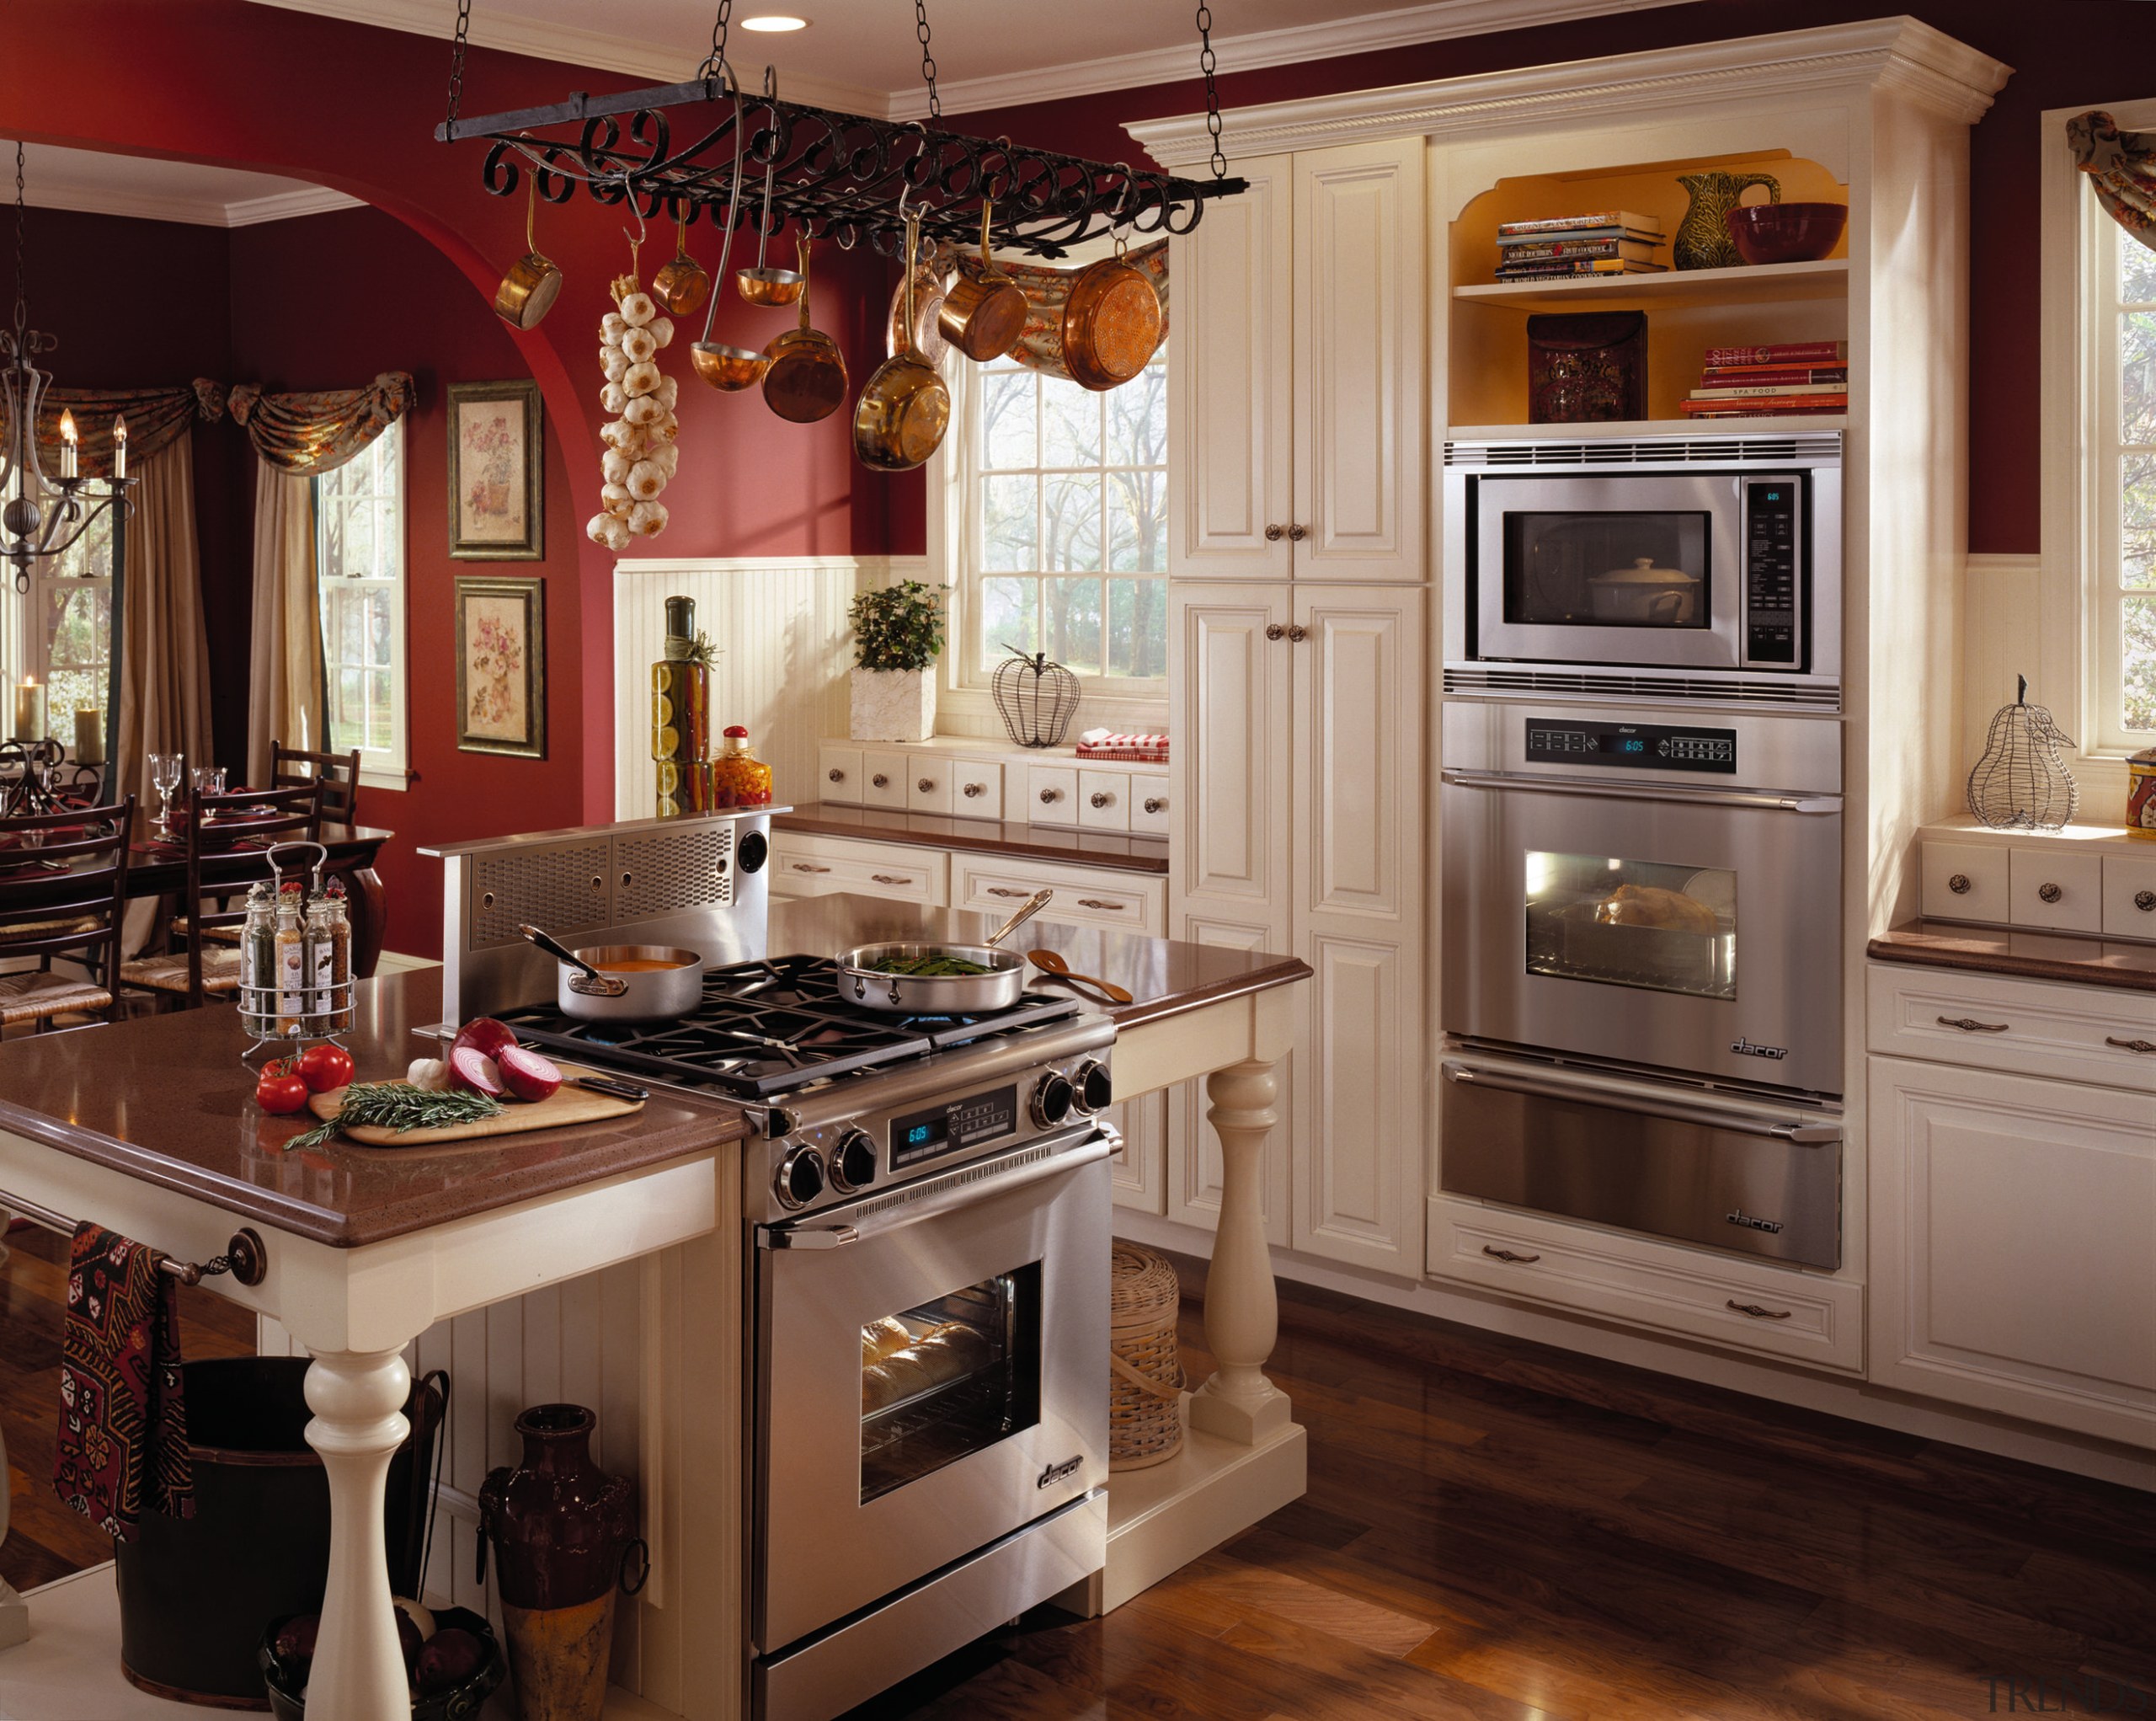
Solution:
(863, 981)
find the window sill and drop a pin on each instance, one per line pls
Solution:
(398, 779)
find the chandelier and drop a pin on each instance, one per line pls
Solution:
(41, 516)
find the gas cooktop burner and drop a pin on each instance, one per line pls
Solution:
(768, 1027)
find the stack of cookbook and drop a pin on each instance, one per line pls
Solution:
(1773, 381)
(1607, 242)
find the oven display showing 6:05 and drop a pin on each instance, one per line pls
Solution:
(962, 1123)
(1651, 747)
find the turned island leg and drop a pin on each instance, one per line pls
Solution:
(15, 1611)
(358, 1398)
(1243, 1315)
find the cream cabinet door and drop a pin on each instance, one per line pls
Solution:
(2011, 1265)
(1230, 384)
(1359, 1146)
(1360, 382)
(1229, 776)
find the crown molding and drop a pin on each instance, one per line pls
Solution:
(1904, 53)
(285, 206)
(199, 211)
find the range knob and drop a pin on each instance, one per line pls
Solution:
(1052, 1100)
(800, 1178)
(853, 1161)
(1096, 1092)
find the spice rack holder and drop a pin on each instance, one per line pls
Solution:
(326, 1007)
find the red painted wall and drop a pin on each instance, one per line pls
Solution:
(2082, 53)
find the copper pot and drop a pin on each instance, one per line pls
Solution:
(528, 291)
(917, 327)
(901, 414)
(806, 378)
(682, 284)
(1111, 323)
(726, 368)
(983, 315)
(761, 286)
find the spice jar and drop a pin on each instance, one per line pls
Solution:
(291, 939)
(738, 778)
(257, 962)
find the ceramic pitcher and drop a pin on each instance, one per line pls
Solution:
(1703, 240)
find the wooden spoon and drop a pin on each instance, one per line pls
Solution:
(1055, 966)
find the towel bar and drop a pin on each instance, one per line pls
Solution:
(245, 1257)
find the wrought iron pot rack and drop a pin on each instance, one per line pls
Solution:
(839, 175)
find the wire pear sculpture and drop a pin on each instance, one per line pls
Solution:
(2021, 782)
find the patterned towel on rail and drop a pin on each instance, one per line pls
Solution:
(123, 1417)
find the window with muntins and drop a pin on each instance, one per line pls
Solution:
(2123, 321)
(69, 632)
(359, 561)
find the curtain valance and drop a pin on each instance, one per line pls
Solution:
(308, 434)
(155, 418)
(1040, 347)
(2123, 165)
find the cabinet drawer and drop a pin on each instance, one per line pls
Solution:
(1149, 807)
(2046, 887)
(1779, 1311)
(883, 782)
(928, 784)
(2129, 896)
(1104, 800)
(820, 866)
(838, 775)
(1965, 881)
(1051, 795)
(1082, 897)
(976, 788)
(2079, 1033)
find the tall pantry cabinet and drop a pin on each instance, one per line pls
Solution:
(1298, 614)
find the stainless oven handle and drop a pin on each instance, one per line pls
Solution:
(1617, 1099)
(1635, 792)
(957, 1187)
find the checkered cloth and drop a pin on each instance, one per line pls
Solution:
(1152, 750)
(123, 1414)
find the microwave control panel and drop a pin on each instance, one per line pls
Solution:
(1565, 740)
(1773, 629)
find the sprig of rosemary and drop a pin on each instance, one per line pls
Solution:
(701, 650)
(400, 1106)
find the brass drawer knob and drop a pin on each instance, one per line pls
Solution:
(975, 790)
(1101, 797)
(880, 780)
(836, 775)
(1273, 534)
(1298, 633)
(1296, 534)
(1156, 803)
(926, 785)
(1049, 797)
(2145, 901)
(1959, 883)
(2050, 892)
(1274, 630)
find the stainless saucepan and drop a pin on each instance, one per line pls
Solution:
(585, 990)
(862, 980)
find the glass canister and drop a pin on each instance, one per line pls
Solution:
(738, 777)
(680, 709)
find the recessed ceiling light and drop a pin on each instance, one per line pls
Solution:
(774, 23)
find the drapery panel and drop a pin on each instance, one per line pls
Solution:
(284, 687)
(318, 432)
(2122, 164)
(1048, 290)
(164, 650)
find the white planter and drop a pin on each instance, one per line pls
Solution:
(893, 705)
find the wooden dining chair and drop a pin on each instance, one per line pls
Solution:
(217, 871)
(64, 895)
(338, 774)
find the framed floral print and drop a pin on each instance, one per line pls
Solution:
(501, 665)
(497, 462)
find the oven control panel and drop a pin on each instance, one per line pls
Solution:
(1570, 741)
(1772, 626)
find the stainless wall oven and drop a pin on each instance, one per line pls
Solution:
(1705, 566)
(1641, 915)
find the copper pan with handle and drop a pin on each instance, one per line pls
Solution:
(901, 414)
(983, 315)
(806, 379)
(1111, 321)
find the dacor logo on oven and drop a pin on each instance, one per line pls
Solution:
(1059, 1472)
(1753, 1049)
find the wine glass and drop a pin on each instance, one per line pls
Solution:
(209, 779)
(164, 777)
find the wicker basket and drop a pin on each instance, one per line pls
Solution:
(1145, 1367)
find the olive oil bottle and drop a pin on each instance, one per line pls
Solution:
(680, 709)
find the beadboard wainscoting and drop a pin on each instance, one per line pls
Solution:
(784, 646)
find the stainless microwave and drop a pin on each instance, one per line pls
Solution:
(1660, 566)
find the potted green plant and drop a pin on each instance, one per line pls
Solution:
(897, 630)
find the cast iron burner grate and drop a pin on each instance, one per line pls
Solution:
(770, 1027)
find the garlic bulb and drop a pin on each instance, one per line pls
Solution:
(662, 332)
(615, 365)
(670, 391)
(666, 456)
(645, 481)
(638, 309)
(638, 345)
(612, 326)
(642, 409)
(642, 379)
(618, 496)
(613, 465)
(613, 397)
(610, 530)
(648, 519)
(639, 456)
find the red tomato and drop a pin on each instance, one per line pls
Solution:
(324, 1067)
(281, 1089)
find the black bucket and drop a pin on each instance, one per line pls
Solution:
(195, 1593)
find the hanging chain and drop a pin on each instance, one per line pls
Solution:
(1208, 65)
(22, 300)
(457, 59)
(715, 61)
(927, 59)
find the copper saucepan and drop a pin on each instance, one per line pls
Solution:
(983, 315)
(1111, 321)
(806, 378)
(725, 366)
(901, 414)
(681, 283)
(919, 328)
(534, 282)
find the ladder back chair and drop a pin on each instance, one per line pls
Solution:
(63, 892)
(338, 774)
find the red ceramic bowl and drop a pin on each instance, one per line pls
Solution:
(1786, 232)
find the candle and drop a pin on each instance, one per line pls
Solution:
(68, 449)
(120, 450)
(89, 736)
(29, 711)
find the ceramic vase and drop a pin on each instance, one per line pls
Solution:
(893, 705)
(560, 1528)
(1703, 240)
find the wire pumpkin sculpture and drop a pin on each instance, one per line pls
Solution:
(1035, 698)
(2021, 782)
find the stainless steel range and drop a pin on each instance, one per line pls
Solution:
(928, 1204)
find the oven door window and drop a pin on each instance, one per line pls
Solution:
(1648, 924)
(1608, 569)
(947, 1377)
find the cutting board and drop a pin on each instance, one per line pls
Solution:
(565, 1107)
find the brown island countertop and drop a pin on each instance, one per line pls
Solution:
(164, 1098)
(1118, 850)
(2023, 955)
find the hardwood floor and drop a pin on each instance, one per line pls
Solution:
(1497, 1531)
